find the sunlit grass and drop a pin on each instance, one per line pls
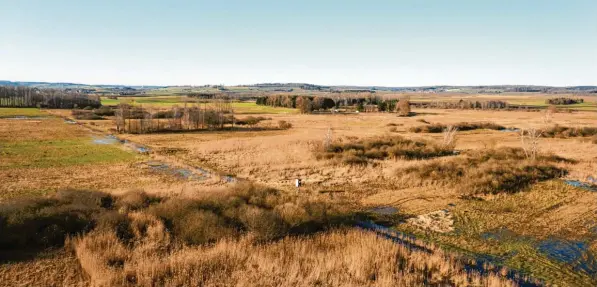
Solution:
(58, 153)
(169, 101)
(26, 112)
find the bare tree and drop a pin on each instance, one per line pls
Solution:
(449, 140)
(529, 139)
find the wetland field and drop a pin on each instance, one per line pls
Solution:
(441, 197)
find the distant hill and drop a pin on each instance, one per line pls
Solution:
(311, 87)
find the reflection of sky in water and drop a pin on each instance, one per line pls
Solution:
(573, 253)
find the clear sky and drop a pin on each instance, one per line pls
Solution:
(389, 43)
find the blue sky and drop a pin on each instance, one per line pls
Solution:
(389, 43)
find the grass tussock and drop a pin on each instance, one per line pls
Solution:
(462, 126)
(86, 115)
(487, 172)
(557, 131)
(46, 222)
(335, 258)
(264, 213)
(361, 152)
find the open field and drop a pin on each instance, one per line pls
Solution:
(478, 196)
(169, 101)
(530, 99)
(23, 112)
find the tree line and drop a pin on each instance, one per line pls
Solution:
(138, 119)
(307, 104)
(27, 97)
(464, 104)
(564, 101)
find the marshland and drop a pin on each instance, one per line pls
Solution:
(186, 190)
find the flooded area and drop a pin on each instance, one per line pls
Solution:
(574, 253)
(26, 118)
(510, 130)
(184, 173)
(583, 185)
(188, 173)
(384, 210)
(111, 140)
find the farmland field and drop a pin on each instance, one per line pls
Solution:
(169, 101)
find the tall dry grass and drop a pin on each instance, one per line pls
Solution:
(345, 257)
(489, 171)
(361, 152)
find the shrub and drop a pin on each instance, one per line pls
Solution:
(380, 148)
(104, 111)
(33, 223)
(134, 199)
(250, 121)
(284, 125)
(557, 131)
(202, 226)
(403, 108)
(264, 224)
(564, 101)
(85, 115)
(463, 126)
(489, 171)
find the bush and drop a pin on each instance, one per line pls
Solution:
(250, 121)
(463, 126)
(85, 115)
(104, 111)
(564, 101)
(564, 132)
(403, 108)
(203, 226)
(380, 148)
(134, 199)
(284, 125)
(39, 223)
(487, 172)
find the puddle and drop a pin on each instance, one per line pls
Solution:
(198, 174)
(502, 234)
(574, 253)
(25, 118)
(177, 171)
(510, 130)
(582, 185)
(384, 210)
(70, 122)
(478, 263)
(109, 139)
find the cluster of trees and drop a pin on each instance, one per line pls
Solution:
(303, 103)
(137, 119)
(464, 104)
(27, 97)
(308, 104)
(564, 101)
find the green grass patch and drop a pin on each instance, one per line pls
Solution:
(59, 153)
(24, 112)
(169, 101)
(252, 108)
